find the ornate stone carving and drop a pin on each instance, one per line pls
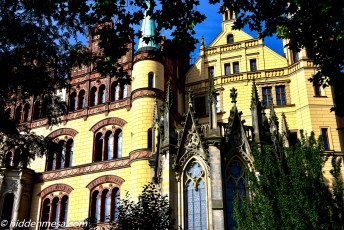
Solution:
(108, 121)
(63, 131)
(56, 187)
(105, 179)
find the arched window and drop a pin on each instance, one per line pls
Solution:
(64, 210)
(81, 99)
(113, 91)
(104, 204)
(60, 155)
(93, 96)
(18, 114)
(195, 205)
(118, 136)
(102, 94)
(118, 95)
(7, 209)
(235, 189)
(8, 113)
(55, 208)
(26, 112)
(108, 146)
(98, 155)
(125, 91)
(72, 101)
(230, 39)
(150, 80)
(36, 110)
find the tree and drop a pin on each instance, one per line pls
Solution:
(315, 25)
(152, 211)
(39, 45)
(288, 189)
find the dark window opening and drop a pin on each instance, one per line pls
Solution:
(230, 39)
(227, 69)
(236, 67)
(266, 95)
(253, 65)
(280, 95)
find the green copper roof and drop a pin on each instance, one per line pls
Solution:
(148, 30)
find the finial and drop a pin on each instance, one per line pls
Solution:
(202, 43)
(190, 97)
(255, 96)
(234, 95)
(168, 99)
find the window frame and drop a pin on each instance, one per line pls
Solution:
(253, 65)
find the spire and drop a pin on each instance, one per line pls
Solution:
(273, 119)
(190, 98)
(255, 97)
(256, 112)
(284, 130)
(169, 96)
(148, 31)
(155, 116)
(212, 104)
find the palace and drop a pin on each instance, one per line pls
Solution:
(118, 137)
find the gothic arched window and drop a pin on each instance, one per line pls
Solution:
(104, 204)
(113, 91)
(55, 208)
(60, 155)
(72, 101)
(108, 145)
(93, 96)
(150, 80)
(18, 114)
(81, 99)
(36, 110)
(26, 112)
(102, 94)
(195, 205)
(235, 189)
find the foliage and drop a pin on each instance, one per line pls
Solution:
(152, 211)
(315, 25)
(40, 43)
(289, 190)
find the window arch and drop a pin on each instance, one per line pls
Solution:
(36, 110)
(60, 155)
(235, 188)
(230, 39)
(102, 94)
(81, 99)
(195, 205)
(72, 101)
(105, 203)
(108, 145)
(18, 114)
(93, 96)
(26, 111)
(150, 80)
(55, 209)
(7, 209)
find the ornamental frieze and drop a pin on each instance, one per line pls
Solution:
(105, 179)
(62, 132)
(108, 121)
(96, 110)
(145, 92)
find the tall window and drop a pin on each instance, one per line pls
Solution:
(218, 103)
(105, 203)
(81, 99)
(108, 146)
(55, 209)
(227, 69)
(324, 134)
(60, 155)
(236, 67)
(266, 95)
(230, 39)
(150, 80)
(195, 205)
(317, 91)
(102, 94)
(149, 138)
(72, 101)
(26, 111)
(253, 65)
(18, 114)
(7, 209)
(211, 71)
(93, 96)
(125, 91)
(36, 110)
(235, 189)
(280, 95)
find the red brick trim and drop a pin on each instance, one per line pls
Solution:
(108, 121)
(55, 187)
(105, 179)
(61, 132)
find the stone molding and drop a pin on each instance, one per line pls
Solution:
(63, 131)
(108, 121)
(55, 187)
(147, 92)
(93, 167)
(105, 179)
